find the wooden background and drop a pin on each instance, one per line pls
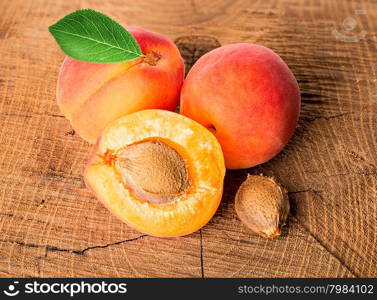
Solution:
(51, 226)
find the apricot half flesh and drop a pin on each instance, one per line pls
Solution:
(158, 171)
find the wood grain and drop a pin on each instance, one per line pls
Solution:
(51, 226)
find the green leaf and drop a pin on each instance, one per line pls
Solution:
(90, 36)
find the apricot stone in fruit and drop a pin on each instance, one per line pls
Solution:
(158, 171)
(91, 95)
(262, 205)
(154, 171)
(248, 97)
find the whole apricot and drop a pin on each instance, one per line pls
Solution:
(248, 97)
(91, 95)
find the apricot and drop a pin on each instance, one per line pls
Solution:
(160, 172)
(248, 97)
(91, 95)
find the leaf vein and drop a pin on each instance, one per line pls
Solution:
(96, 41)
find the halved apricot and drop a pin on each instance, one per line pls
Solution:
(158, 171)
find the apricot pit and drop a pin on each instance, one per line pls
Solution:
(154, 171)
(262, 205)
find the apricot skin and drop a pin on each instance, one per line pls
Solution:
(91, 95)
(248, 97)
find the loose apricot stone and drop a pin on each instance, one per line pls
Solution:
(158, 171)
(262, 205)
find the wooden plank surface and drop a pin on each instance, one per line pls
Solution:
(51, 226)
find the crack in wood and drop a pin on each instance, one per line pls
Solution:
(193, 5)
(29, 245)
(49, 248)
(313, 119)
(312, 98)
(243, 241)
(323, 245)
(62, 176)
(71, 132)
(201, 253)
(317, 193)
(317, 102)
(55, 116)
(10, 114)
(192, 47)
(351, 174)
(306, 191)
(81, 252)
(16, 115)
(7, 214)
